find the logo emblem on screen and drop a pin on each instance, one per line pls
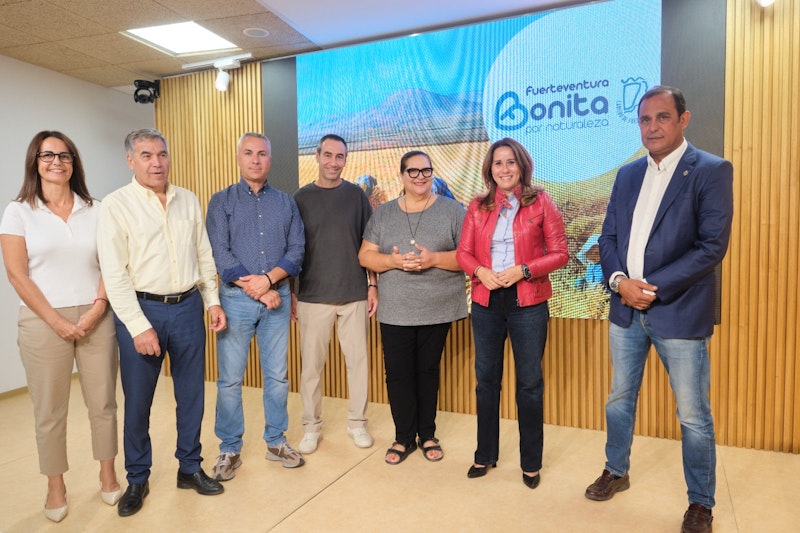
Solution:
(573, 105)
(632, 91)
(509, 113)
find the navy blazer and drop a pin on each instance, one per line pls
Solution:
(688, 240)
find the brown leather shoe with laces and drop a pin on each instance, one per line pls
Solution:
(697, 519)
(606, 486)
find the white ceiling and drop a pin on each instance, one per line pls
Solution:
(81, 38)
(329, 23)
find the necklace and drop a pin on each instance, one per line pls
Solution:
(413, 232)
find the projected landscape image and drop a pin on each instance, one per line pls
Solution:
(570, 99)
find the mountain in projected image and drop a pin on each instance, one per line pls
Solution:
(411, 117)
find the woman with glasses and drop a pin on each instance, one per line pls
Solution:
(513, 238)
(411, 243)
(48, 237)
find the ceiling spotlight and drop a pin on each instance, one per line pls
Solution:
(146, 91)
(222, 81)
(223, 62)
(765, 3)
(258, 33)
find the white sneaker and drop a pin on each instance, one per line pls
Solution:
(361, 438)
(309, 442)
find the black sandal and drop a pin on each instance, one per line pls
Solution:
(433, 448)
(401, 454)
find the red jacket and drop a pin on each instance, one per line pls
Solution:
(539, 242)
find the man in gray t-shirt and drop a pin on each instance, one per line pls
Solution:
(333, 286)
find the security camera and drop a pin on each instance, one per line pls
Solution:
(146, 91)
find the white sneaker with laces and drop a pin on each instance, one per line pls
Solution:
(361, 437)
(309, 442)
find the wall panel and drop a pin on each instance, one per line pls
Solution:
(755, 376)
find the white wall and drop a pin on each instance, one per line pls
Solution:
(96, 118)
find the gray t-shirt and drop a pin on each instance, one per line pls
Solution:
(433, 296)
(334, 221)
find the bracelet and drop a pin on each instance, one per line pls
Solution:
(371, 285)
(475, 272)
(270, 281)
(100, 299)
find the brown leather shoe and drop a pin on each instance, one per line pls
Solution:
(606, 486)
(697, 519)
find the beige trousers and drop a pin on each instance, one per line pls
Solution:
(316, 324)
(48, 361)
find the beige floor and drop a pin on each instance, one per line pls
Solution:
(343, 488)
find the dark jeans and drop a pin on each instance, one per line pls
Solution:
(181, 332)
(527, 328)
(411, 356)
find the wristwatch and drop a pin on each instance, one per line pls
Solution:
(526, 272)
(614, 285)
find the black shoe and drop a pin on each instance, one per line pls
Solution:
(531, 481)
(200, 482)
(132, 500)
(479, 471)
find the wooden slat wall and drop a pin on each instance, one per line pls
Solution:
(756, 373)
(202, 126)
(755, 376)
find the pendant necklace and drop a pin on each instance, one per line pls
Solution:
(408, 219)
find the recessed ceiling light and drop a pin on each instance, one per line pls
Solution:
(256, 32)
(181, 38)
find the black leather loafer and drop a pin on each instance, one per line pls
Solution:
(200, 482)
(132, 500)
(479, 471)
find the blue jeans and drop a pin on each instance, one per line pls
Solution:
(688, 365)
(527, 329)
(182, 333)
(248, 317)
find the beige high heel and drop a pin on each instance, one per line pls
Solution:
(111, 498)
(55, 515)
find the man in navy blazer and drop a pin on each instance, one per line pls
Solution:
(666, 229)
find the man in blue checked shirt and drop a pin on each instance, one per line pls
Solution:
(257, 238)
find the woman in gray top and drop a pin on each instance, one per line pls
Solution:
(411, 242)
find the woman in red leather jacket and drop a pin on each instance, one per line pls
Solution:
(512, 238)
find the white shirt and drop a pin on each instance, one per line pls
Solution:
(145, 247)
(655, 183)
(62, 256)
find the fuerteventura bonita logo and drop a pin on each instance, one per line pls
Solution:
(560, 107)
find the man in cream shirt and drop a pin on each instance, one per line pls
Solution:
(158, 269)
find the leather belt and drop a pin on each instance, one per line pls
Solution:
(166, 298)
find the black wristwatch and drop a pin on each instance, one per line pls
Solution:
(526, 272)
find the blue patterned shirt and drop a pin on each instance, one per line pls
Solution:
(253, 233)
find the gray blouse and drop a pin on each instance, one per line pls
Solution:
(433, 296)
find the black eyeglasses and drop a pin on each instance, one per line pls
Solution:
(48, 157)
(414, 172)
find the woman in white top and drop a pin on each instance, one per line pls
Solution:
(48, 237)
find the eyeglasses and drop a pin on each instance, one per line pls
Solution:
(49, 157)
(414, 172)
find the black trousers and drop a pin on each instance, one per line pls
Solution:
(411, 356)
